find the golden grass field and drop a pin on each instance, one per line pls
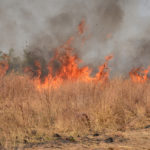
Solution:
(28, 115)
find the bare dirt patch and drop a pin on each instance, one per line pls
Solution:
(130, 140)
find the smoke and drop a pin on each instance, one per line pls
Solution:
(115, 27)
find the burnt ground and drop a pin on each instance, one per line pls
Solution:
(138, 139)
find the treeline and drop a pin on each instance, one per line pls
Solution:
(17, 63)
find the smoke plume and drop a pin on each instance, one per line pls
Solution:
(115, 27)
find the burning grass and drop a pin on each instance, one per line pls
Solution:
(75, 108)
(62, 97)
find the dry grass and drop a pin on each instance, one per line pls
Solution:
(27, 115)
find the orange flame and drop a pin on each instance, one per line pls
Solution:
(82, 27)
(108, 36)
(103, 73)
(69, 69)
(69, 66)
(139, 75)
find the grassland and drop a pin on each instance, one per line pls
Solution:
(28, 115)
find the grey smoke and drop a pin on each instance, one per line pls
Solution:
(42, 25)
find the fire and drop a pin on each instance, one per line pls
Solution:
(68, 70)
(108, 36)
(139, 74)
(69, 67)
(82, 27)
(103, 73)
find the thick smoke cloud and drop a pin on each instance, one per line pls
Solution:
(116, 27)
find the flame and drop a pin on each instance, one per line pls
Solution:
(68, 70)
(82, 27)
(139, 75)
(69, 65)
(103, 73)
(109, 35)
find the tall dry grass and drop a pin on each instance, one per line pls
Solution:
(76, 108)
